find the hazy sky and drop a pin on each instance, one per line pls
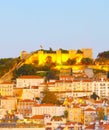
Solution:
(66, 24)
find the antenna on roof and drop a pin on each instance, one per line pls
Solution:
(41, 47)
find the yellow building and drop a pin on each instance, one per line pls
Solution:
(89, 116)
(6, 89)
(8, 103)
(75, 114)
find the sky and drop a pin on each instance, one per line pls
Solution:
(66, 24)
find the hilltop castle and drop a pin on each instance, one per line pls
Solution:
(57, 56)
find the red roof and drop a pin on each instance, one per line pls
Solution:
(26, 100)
(73, 123)
(30, 77)
(7, 83)
(51, 83)
(105, 127)
(37, 117)
(68, 76)
(84, 105)
(81, 91)
(34, 87)
(90, 109)
(98, 101)
(39, 105)
(57, 118)
(90, 127)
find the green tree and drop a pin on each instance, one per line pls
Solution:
(7, 63)
(43, 68)
(71, 61)
(63, 51)
(100, 114)
(104, 54)
(52, 74)
(86, 61)
(26, 69)
(79, 51)
(108, 74)
(100, 61)
(94, 96)
(49, 97)
(65, 113)
(102, 58)
(48, 60)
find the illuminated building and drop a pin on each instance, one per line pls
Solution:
(58, 57)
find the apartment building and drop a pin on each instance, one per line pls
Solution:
(49, 109)
(30, 93)
(90, 115)
(25, 107)
(28, 81)
(6, 89)
(75, 114)
(8, 103)
(101, 87)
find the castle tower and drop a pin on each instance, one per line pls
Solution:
(23, 54)
(87, 52)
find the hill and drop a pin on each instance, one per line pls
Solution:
(49, 61)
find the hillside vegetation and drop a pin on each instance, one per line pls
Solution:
(7, 63)
(48, 70)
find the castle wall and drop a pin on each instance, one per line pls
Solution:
(59, 57)
(22, 128)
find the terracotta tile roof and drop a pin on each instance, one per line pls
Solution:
(51, 83)
(59, 92)
(66, 76)
(43, 83)
(73, 123)
(34, 87)
(76, 106)
(90, 127)
(76, 80)
(37, 117)
(68, 81)
(70, 99)
(30, 77)
(58, 81)
(26, 100)
(99, 109)
(84, 105)
(49, 123)
(105, 127)
(40, 105)
(7, 83)
(8, 97)
(57, 118)
(89, 109)
(98, 101)
(81, 91)
(88, 80)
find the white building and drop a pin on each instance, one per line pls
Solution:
(30, 93)
(8, 103)
(101, 88)
(75, 88)
(28, 81)
(49, 109)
